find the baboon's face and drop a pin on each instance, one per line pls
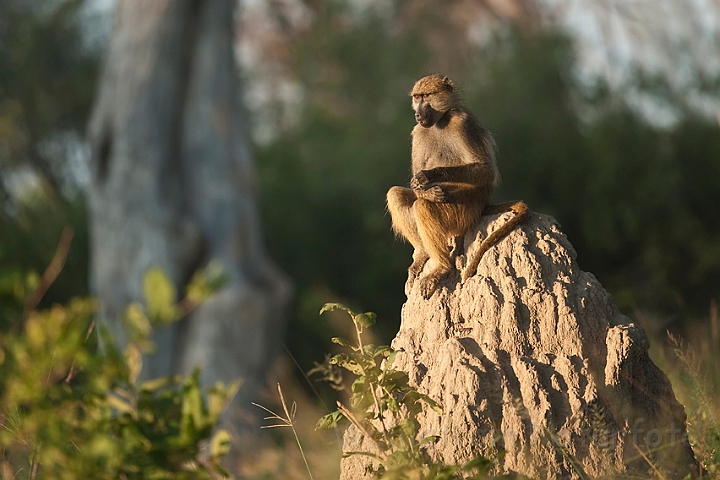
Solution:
(432, 97)
(425, 114)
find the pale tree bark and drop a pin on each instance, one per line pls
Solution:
(173, 186)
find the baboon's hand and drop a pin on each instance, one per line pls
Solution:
(434, 194)
(419, 180)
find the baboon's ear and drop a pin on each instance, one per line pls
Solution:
(448, 82)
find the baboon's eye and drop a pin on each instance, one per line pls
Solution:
(416, 96)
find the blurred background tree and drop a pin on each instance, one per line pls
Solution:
(605, 117)
(173, 187)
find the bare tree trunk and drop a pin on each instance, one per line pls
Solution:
(173, 186)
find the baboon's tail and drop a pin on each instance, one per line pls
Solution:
(521, 212)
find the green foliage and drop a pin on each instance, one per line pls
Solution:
(161, 297)
(71, 407)
(206, 281)
(384, 408)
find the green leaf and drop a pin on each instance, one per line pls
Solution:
(361, 401)
(160, 296)
(219, 396)
(363, 454)
(477, 462)
(32, 280)
(207, 281)
(366, 319)
(447, 473)
(481, 464)
(329, 307)
(137, 322)
(156, 384)
(220, 444)
(358, 385)
(375, 350)
(329, 421)
(120, 404)
(409, 427)
(344, 342)
(432, 439)
(133, 357)
(433, 404)
(395, 379)
(390, 359)
(347, 363)
(193, 418)
(339, 359)
(412, 397)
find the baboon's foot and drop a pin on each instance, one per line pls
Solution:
(414, 271)
(429, 283)
(418, 263)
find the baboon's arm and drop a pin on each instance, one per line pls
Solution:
(475, 173)
(446, 192)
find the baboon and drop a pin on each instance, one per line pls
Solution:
(453, 176)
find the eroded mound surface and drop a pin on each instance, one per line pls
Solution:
(531, 356)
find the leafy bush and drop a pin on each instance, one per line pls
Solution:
(70, 406)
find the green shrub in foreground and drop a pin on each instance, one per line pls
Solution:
(70, 409)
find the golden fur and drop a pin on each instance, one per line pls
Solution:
(453, 176)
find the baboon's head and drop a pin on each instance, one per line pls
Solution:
(432, 97)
